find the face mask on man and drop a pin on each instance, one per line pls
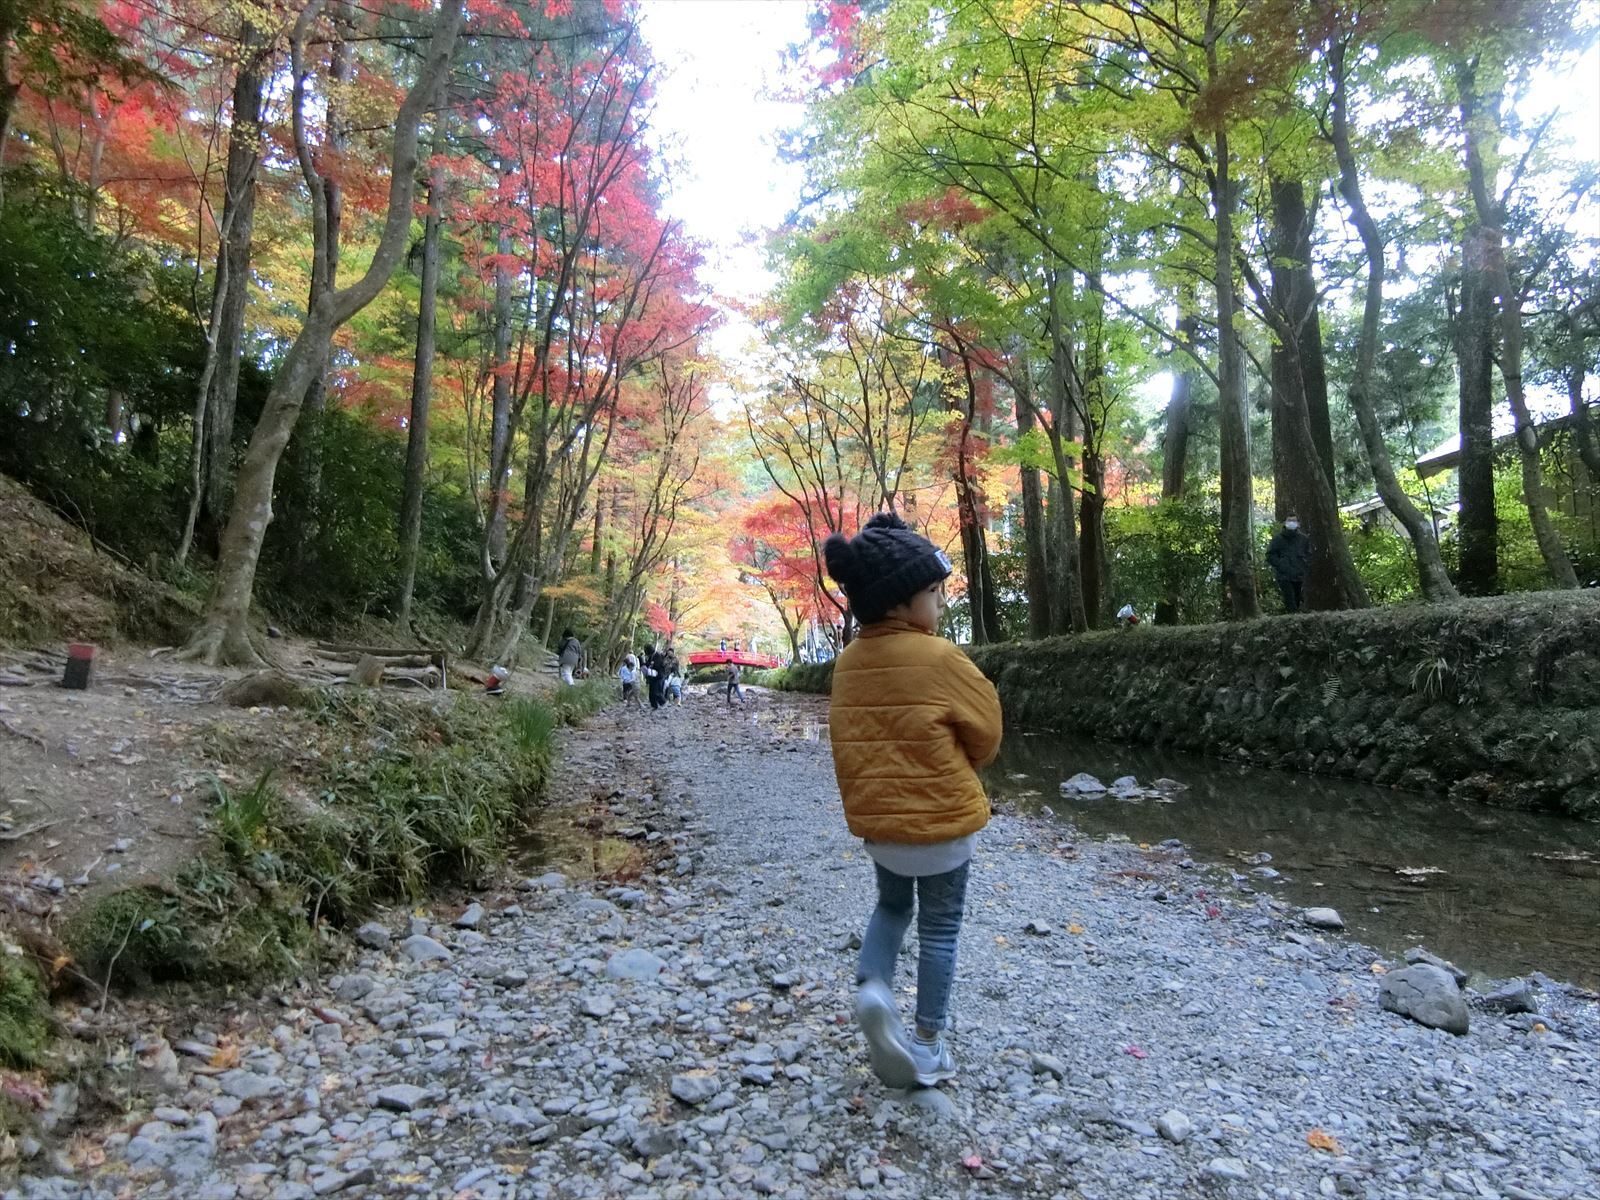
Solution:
(1291, 524)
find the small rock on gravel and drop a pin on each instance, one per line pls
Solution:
(373, 936)
(1516, 996)
(634, 964)
(421, 948)
(471, 917)
(1175, 1126)
(401, 1097)
(694, 1089)
(1049, 1064)
(1322, 918)
(1426, 994)
(1232, 1170)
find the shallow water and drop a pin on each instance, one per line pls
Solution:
(1497, 892)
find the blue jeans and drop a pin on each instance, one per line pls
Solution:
(941, 899)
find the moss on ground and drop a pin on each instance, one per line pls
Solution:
(24, 1015)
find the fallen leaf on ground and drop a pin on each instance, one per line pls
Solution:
(973, 1162)
(1135, 1051)
(1074, 928)
(1318, 1140)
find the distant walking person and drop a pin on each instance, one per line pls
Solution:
(1289, 556)
(628, 674)
(733, 689)
(571, 657)
(655, 674)
(912, 719)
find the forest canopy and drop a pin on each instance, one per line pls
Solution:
(374, 314)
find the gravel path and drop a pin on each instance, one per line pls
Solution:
(688, 1035)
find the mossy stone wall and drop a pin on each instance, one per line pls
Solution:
(1493, 700)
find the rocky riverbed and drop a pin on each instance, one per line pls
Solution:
(1127, 1027)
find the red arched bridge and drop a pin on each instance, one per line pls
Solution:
(712, 658)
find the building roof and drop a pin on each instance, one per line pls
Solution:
(1447, 453)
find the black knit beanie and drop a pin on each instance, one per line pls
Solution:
(884, 565)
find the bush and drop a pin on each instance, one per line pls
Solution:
(336, 558)
(433, 805)
(24, 1025)
(1171, 543)
(816, 678)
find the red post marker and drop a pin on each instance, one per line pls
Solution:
(80, 660)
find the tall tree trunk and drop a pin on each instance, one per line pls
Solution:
(1301, 433)
(1092, 513)
(1238, 518)
(1480, 123)
(421, 386)
(549, 621)
(233, 279)
(1036, 578)
(202, 408)
(599, 531)
(1431, 574)
(1473, 333)
(224, 635)
(972, 554)
(1583, 432)
(1175, 463)
(310, 435)
(1545, 533)
(494, 546)
(1066, 580)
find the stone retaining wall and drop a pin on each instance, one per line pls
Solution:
(1494, 700)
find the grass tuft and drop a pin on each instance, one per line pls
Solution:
(24, 1024)
(421, 795)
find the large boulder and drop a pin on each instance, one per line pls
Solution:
(1426, 994)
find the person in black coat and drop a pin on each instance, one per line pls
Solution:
(655, 674)
(1289, 556)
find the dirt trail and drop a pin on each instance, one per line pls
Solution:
(670, 1019)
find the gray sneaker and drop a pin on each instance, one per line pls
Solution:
(887, 1046)
(933, 1060)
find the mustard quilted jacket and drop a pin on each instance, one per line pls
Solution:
(911, 721)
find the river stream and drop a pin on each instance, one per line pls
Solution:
(1497, 892)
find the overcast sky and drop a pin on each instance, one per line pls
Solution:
(716, 120)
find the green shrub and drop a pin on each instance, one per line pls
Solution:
(816, 678)
(433, 804)
(24, 1027)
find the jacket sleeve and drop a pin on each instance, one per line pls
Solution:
(974, 709)
(1274, 552)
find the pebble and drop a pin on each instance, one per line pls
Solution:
(694, 1089)
(421, 948)
(1232, 1170)
(1322, 918)
(401, 1097)
(682, 1038)
(1175, 1126)
(635, 964)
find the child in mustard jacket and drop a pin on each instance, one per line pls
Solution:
(911, 720)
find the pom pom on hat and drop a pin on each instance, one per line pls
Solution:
(883, 565)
